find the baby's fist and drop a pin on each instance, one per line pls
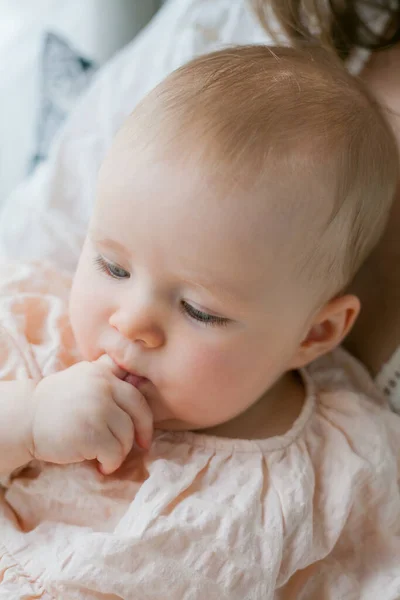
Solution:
(89, 412)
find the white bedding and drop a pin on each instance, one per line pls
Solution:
(95, 29)
(46, 216)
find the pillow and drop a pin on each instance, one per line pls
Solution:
(64, 75)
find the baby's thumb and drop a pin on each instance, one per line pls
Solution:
(108, 362)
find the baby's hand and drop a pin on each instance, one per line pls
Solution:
(88, 412)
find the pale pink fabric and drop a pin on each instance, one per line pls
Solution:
(311, 515)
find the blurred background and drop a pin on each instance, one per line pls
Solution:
(49, 52)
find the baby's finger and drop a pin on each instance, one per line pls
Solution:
(108, 362)
(110, 455)
(134, 404)
(121, 426)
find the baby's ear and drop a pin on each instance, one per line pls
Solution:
(330, 326)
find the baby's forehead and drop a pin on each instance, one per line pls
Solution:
(213, 213)
(281, 188)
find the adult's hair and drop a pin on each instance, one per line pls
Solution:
(339, 24)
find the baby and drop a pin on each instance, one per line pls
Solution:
(233, 210)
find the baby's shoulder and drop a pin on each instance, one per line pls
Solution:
(352, 419)
(339, 371)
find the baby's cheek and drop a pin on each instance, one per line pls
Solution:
(210, 389)
(210, 368)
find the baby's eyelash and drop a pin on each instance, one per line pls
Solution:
(203, 317)
(110, 269)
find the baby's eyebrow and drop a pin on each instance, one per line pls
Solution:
(108, 243)
(218, 286)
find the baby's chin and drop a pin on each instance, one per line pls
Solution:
(166, 419)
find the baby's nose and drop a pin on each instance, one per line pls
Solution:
(139, 328)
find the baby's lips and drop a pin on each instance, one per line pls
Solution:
(135, 380)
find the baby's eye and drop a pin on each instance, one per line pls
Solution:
(203, 317)
(111, 268)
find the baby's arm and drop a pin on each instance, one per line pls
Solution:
(15, 424)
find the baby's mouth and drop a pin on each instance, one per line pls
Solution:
(136, 380)
(132, 377)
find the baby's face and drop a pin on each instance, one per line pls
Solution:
(181, 282)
